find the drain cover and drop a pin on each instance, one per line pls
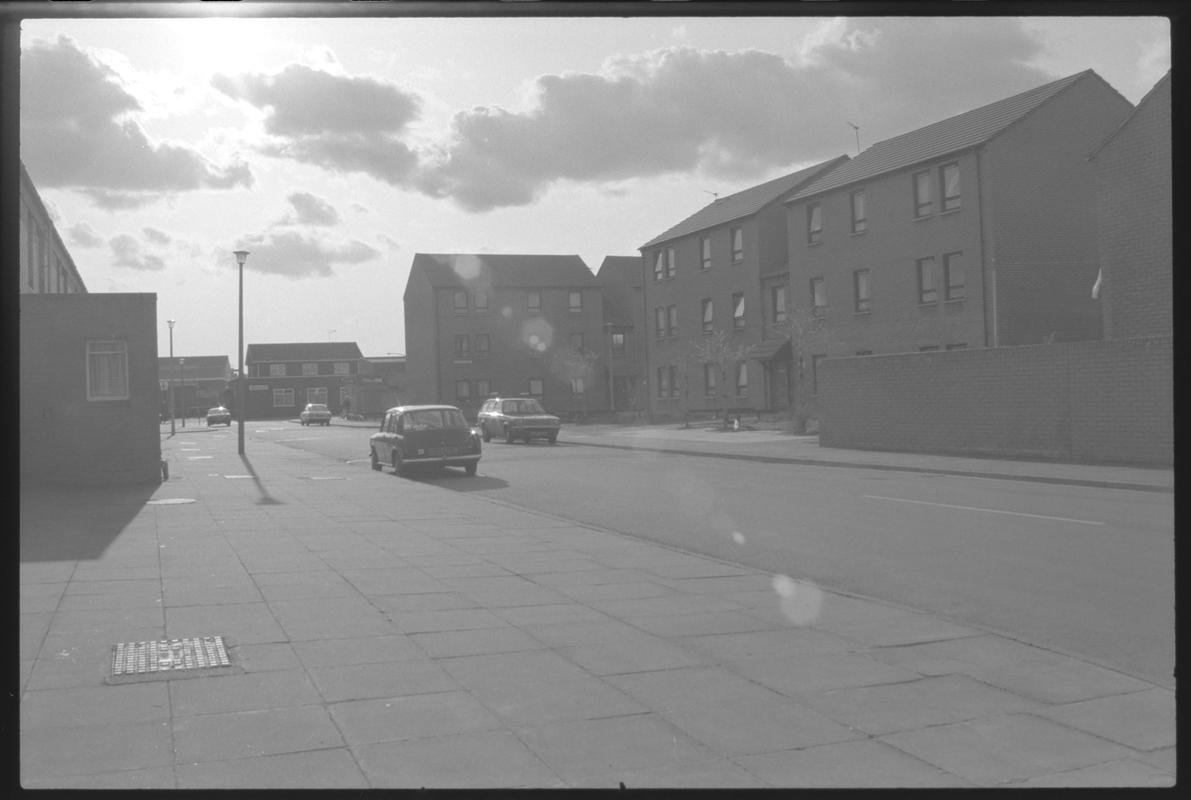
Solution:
(170, 658)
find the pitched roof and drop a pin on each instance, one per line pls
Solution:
(502, 270)
(617, 266)
(195, 367)
(1163, 83)
(745, 203)
(303, 351)
(951, 135)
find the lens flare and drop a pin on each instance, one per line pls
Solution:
(800, 601)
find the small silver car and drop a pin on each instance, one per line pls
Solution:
(429, 435)
(315, 414)
(517, 418)
(219, 416)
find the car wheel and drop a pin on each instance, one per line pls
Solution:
(553, 437)
(485, 433)
(397, 465)
(509, 438)
(470, 469)
(375, 460)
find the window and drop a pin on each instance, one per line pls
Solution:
(705, 252)
(950, 177)
(778, 300)
(953, 276)
(577, 342)
(310, 369)
(576, 386)
(575, 301)
(859, 216)
(738, 310)
(483, 388)
(659, 266)
(672, 311)
(277, 370)
(341, 368)
(673, 372)
(460, 301)
(710, 379)
(107, 370)
(481, 344)
(928, 290)
(618, 344)
(283, 398)
(815, 373)
(462, 390)
(923, 205)
(742, 379)
(663, 382)
(535, 387)
(659, 320)
(814, 223)
(316, 394)
(818, 295)
(533, 300)
(462, 345)
(959, 346)
(345, 393)
(480, 299)
(671, 267)
(708, 316)
(860, 288)
(737, 235)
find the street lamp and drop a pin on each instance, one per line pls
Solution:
(182, 380)
(241, 257)
(173, 430)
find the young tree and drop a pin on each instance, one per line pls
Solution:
(579, 363)
(807, 332)
(718, 351)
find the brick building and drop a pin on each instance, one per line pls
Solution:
(722, 269)
(976, 231)
(45, 265)
(1133, 170)
(281, 378)
(198, 383)
(379, 385)
(624, 341)
(480, 324)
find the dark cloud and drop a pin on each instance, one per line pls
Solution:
(156, 237)
(75, 133)
(343, 124)
(311, 210)
(294, 255)
(84, 235)
(127, 253)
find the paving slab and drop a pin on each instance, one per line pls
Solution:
(146, 702)
(333, 768)
(713, 773)
(90, 749)
(866, 764)
(445, 644)
(395, 719)
(363, 650)
(1120, 773)
(243, 692)
(247, 734)
(752, 725)
(1142, 720)
(484, 759)
(152, 778)
(381, 679)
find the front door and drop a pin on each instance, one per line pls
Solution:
(777, 379)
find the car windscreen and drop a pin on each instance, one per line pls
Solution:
(522, 407)
(427, 419)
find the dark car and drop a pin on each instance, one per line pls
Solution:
(438, 436)
(219, 416)
(517, 418)
(315, 414)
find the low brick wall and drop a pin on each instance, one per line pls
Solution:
(1102, 401)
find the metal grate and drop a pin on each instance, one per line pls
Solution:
(168, 655)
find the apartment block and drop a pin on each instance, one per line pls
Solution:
(624, 331)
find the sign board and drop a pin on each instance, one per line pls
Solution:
(257, 387)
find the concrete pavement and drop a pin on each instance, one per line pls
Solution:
(390, 632)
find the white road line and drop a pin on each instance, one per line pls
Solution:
(988, 510)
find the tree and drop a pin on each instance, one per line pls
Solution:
(579, 363)
(718, 351)
(806, 331)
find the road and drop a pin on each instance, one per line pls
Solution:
(1082, 570)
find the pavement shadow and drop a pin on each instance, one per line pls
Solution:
(76, 524)
(456, 481)
(265, 499)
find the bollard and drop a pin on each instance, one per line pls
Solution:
(165, 470)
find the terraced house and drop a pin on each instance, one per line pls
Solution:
(722, 273)
(283, 377)
(976, 231)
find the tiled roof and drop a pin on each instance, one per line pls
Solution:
(621, 266)
(746, 203)
(951, 135)
(303, 351)
(195, 367)
(497, 270)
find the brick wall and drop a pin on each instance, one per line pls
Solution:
(1104, 401)
(66, 438)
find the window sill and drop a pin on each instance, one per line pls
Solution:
(924, 217)
(927, 303)
(862, 313)
(858, 233)
(955, 301)
(951, 211)
(815, 244)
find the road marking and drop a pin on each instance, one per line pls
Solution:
(988, 510)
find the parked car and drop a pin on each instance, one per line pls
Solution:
(219, 416)
(430, 435)
(517, 418)
(315, 414)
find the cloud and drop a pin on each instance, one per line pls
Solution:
(77, 133)
(295, 255)
(127, 253)
(156, 237)
(84, 235)
(339, 123)
(311, 210)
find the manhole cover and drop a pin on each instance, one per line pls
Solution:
(170, 658)
(170, 501)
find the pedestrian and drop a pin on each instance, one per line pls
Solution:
(347, 407)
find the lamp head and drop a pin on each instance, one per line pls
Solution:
(241, 256)
(170, 322)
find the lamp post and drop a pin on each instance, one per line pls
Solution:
(182, 382)
(241, 398)
(170, 322)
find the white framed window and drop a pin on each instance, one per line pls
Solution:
(481, 344)
(659, 321)
(462, 345)
(708, 315)
(705, 252)
(859, 214)
(310, 369)
(316, 394)
(737, 237)
(533, 300)
(483, 388)
(462, 390)
(923, 203)
(107, 370)
(949, 174)
(341, 368)
(535, 387)
(671, 267)
(575, 301)
(459, 301)
(283, 398)
(779, 304)
(659, 266)
(862, 291)
(480, 299)
(663, 382)
(738, 310)
(818, 295)
(576, 385)
(618, 343)
(672, 330)
(928, 289)
(742, 379)
(814, 223)
(277, 370)
(953, 275)
(710, 379)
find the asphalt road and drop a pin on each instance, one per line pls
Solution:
(1082, 570)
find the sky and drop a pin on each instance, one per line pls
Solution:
(335, 149)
